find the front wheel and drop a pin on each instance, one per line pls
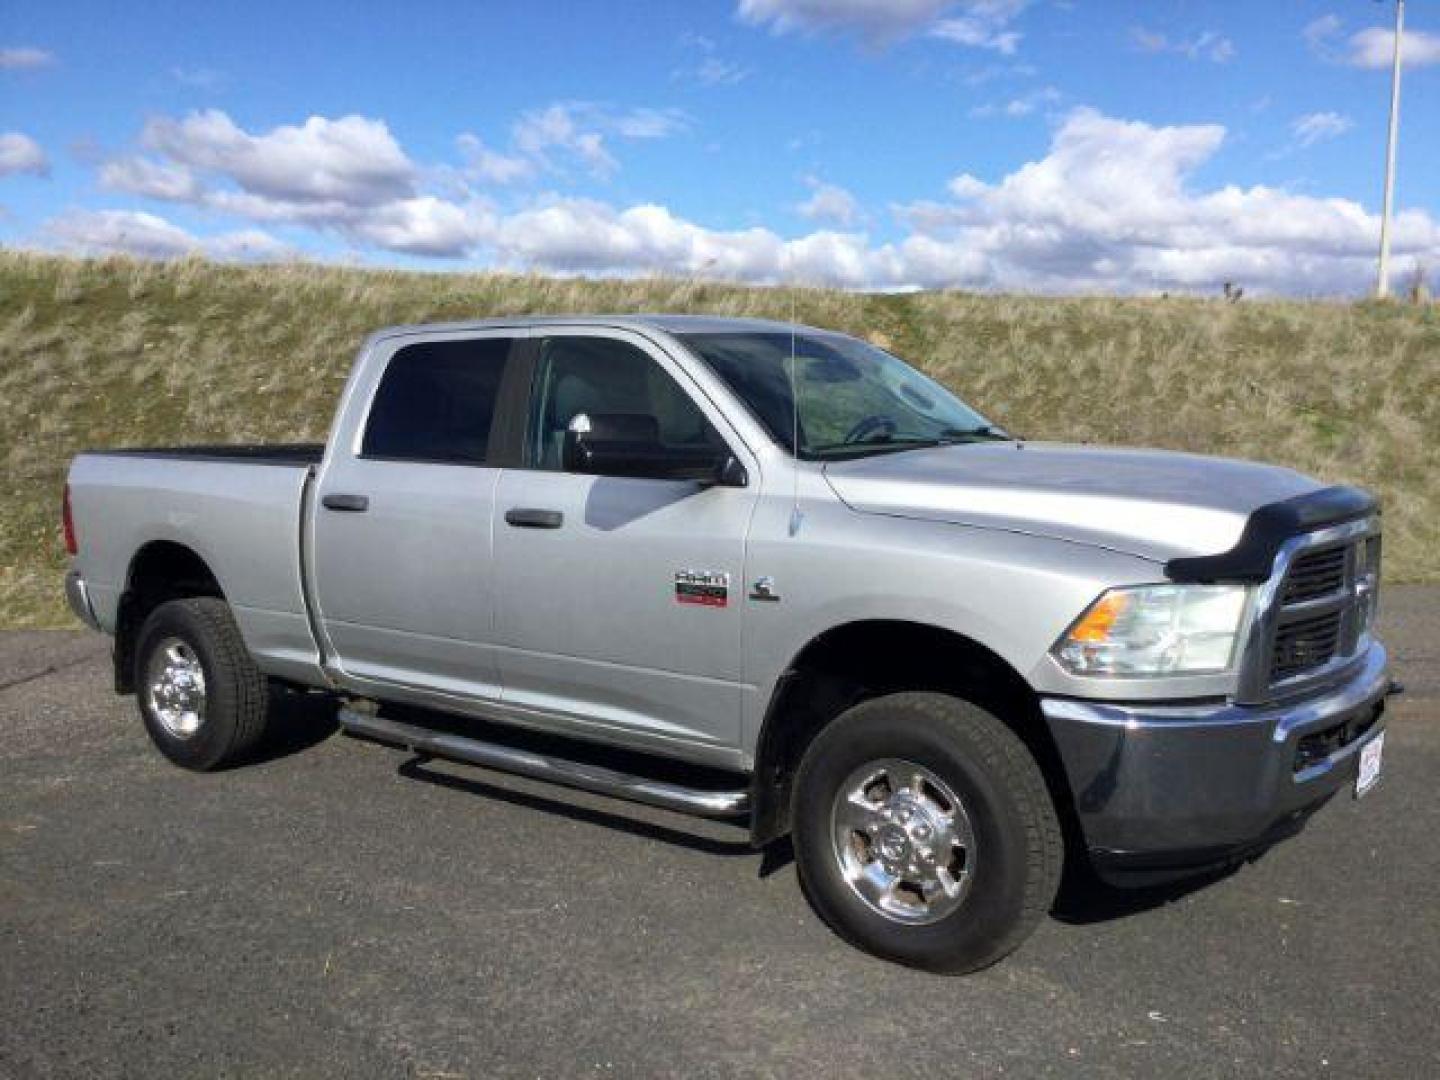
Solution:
(924, 832)
(202, 698)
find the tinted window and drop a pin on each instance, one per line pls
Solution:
(436, 402)
(600, 375)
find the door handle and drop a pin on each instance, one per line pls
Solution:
(526, 518)
(354, 504)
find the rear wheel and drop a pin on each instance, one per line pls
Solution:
(203, 701)
(924, 832)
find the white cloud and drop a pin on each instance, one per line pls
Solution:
(876, 20)
(354, 160)
(829, 203)
(198, 78)
(130, 231)
(419, 225)
(713, 71)
(1018, 107)
(247, 245)
(966, 186)
(1108, 208)
(579, 129)
(1319, 127)
(644, 123)
(490, 166)
(25, 58)
(542, 130)
(426, 225)
(350, 177)
(586, 236)
(134, 232)
(259, 208)
(152, 179)
(1321, 33)
(1373, 48)
(1207, 45)
(984, 24)
(980, 24)
(1003, 71)
(19, 153)
(347, 176)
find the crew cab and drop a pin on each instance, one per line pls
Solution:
(777, 575)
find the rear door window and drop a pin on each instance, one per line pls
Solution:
(436, 402)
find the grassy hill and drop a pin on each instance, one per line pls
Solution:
(114, 352)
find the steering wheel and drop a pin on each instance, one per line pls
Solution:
(869, 425)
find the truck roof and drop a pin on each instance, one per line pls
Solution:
(673, 324)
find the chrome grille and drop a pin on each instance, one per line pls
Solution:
(1323, 607)
(1317, 573)
(1305, 644)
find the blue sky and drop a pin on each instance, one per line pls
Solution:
(995, 144)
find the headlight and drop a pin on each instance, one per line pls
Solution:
(1155, 630)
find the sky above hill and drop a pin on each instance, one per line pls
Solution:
(1035, 145)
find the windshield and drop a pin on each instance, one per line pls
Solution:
(851, 398)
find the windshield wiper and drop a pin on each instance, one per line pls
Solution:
(887, 442)
(985, 431)
(881, 441)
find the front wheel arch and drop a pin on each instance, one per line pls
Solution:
(856, 661)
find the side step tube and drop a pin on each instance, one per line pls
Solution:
(697, 801)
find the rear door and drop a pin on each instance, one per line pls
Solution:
(401, 539)
(620, 599)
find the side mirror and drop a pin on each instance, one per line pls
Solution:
(628, 444)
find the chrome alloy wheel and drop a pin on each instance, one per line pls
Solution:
(903, 841)
(175, 687)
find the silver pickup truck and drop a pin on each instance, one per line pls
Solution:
(781, 576)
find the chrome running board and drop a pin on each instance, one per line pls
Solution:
(697, 801)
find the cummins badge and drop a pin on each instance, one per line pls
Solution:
(709, 588)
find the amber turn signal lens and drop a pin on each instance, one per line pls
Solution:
(1101, 618)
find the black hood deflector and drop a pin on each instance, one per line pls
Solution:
(1267, 529)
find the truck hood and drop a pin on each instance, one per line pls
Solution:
(1152, 503)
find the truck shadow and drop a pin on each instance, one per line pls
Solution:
(417, 768)
(614, 502)
(299, 721)
(1085, 899)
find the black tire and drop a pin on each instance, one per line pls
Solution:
(1019, 850)
(236, 694)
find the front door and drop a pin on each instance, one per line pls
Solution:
(402, 558)
(620, 598)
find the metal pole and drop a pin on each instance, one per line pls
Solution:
(1382, 286)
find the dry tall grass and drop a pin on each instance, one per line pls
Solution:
(116, 352)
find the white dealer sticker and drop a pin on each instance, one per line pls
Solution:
(1369, 772)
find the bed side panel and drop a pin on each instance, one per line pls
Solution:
(242, 518)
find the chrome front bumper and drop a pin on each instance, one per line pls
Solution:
(78, 596)
(1162, 788)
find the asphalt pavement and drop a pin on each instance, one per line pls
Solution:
(338, 909)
